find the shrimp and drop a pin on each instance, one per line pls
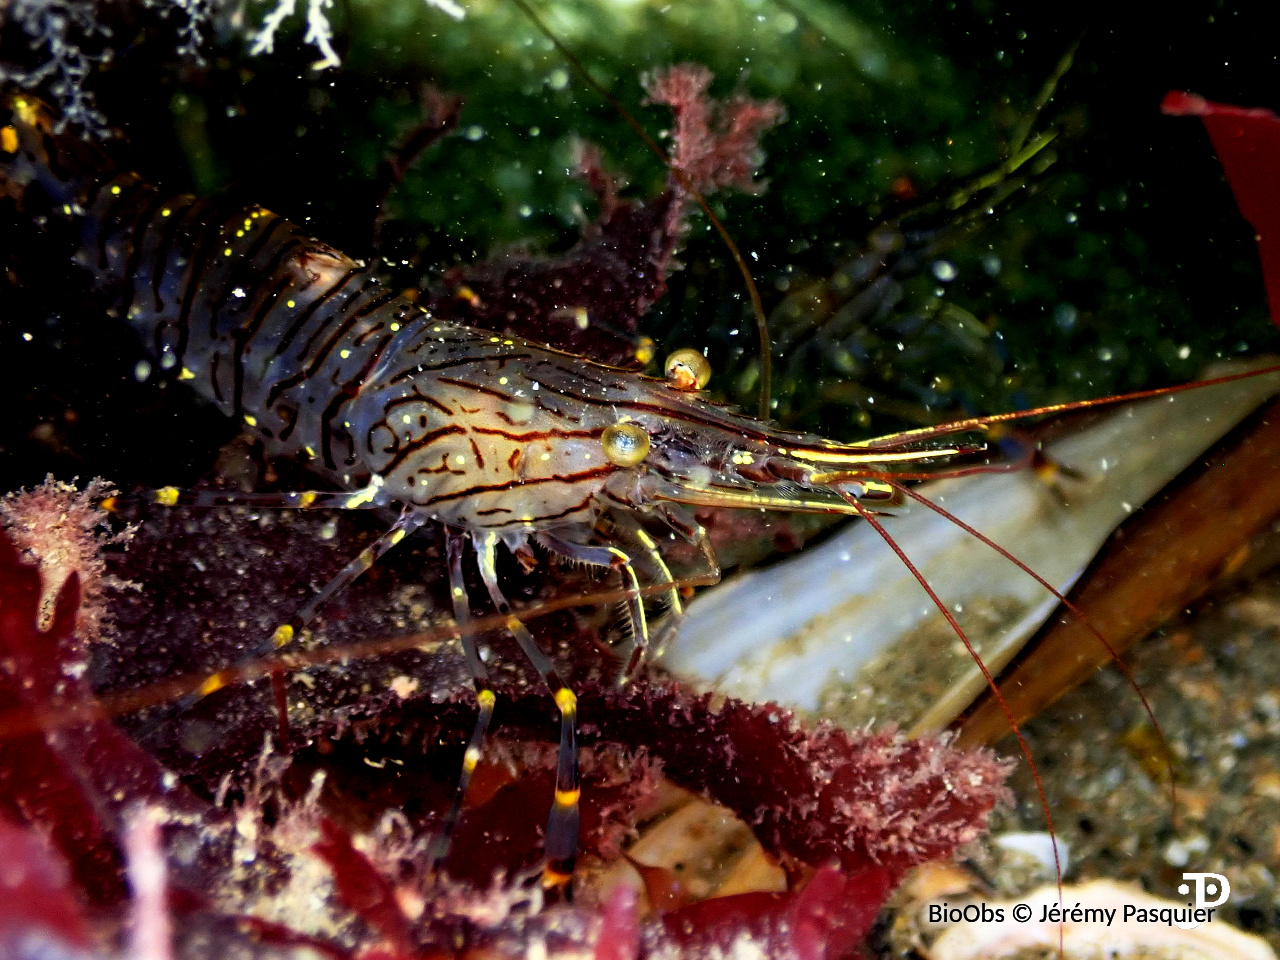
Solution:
(505, 442)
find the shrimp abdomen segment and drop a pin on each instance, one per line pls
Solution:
(279, 330)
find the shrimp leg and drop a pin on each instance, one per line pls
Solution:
(287, 632)
(614, 559)
(691, 531)
(364, 498)
(562, 826)
(648, 552)
(485, 698)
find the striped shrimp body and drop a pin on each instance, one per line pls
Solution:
(501, 440)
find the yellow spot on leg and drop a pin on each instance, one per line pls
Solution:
(360, 497)
(486, 699)
(167, 496)
(306, 499)
(470, 759)
(9, 140)
(26, 110)
(283, 635)
(553, 879)
(215, 682)
(567, 702)
(645, 350)
(567, 798)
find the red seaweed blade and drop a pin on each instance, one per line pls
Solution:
(875, 804)
(1248, 144)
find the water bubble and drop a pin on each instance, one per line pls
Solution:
(944, 270)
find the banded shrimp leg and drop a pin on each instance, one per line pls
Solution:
(641, 549)
(292, 629)
(562, 828)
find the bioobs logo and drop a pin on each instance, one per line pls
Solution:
(1205, 885)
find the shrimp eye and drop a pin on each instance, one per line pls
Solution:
(687, 370)
(625, 444)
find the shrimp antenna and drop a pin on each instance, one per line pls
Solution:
(895, 440)
(1076, 612)
(893, 544)
(757, 305)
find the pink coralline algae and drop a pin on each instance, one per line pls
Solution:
(63, 530)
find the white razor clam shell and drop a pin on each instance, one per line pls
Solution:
(844, 630)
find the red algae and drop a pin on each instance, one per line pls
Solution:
(38, 904)
(1248, 144)
(715, 144)
(284, 873)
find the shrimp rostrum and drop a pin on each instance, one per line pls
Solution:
(505, 442)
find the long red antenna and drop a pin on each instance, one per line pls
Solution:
(991, 683)
(895, 440)
(1079, 615)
